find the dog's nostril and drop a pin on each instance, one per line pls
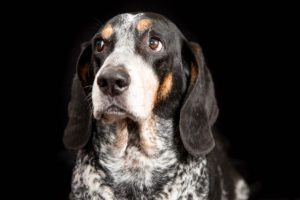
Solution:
(102, 82)
(121, 83)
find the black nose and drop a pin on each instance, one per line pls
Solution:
(113, 81)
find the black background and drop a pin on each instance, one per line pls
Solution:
(246, 49)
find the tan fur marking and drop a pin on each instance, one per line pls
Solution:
(193, 73)
(144, 24)
(165, 87)
(122, 138)
(148, 137)
(107, 31)
(83, 72)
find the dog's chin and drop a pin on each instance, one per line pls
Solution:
(112, 114)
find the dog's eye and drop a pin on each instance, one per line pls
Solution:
(155, 44)
(99, 45)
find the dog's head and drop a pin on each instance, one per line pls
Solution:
(139, 65)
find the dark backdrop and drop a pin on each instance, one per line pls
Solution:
(244, 47)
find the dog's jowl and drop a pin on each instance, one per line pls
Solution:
(141, 116)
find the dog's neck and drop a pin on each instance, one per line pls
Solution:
(150, 137)
(137, 163)
(141, 154)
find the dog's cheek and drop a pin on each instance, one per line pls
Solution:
(97, 101)
(151, 85)
(164, 88)
(170, 93)
(142, 92)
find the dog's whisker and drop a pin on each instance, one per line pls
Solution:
(88, 86)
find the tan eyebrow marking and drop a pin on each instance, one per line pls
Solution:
(144, 24)
(107, 31)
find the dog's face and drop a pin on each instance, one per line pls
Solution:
(140, 65)
(136, 64)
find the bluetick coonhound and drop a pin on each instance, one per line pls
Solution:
(141, 115)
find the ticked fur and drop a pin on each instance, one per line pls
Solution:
(129, 173)
(142, 156)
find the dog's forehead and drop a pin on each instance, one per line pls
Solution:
(125, 20)
(131, 22)
(128, 19)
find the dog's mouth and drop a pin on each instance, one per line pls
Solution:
(114, 113)
(114, 110)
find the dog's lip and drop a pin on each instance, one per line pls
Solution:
(114, 113)
(115, 110)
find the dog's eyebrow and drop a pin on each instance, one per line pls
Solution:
(107, 31)
(144, 24)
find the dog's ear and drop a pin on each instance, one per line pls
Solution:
(84, 68)
(79, 127)
(199, 110)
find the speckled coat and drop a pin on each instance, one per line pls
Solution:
(141, 116)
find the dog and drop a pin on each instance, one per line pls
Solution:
(141, 116)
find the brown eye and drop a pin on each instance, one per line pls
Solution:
(155, 44)
(99, 45)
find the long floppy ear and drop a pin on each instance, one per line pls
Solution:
(79, 127)
(199, 110)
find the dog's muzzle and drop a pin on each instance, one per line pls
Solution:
(113, 81)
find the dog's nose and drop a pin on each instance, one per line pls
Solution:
(113, 81)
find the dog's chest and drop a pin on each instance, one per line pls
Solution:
(185, 181)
